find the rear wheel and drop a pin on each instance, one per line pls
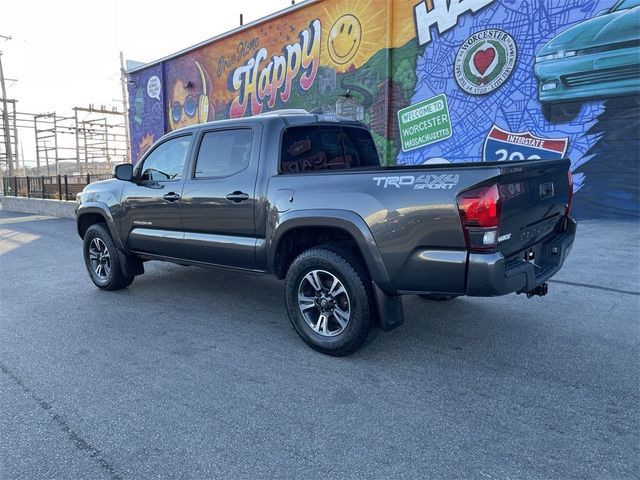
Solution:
(437, 297)
(327, 301)
(102, 261)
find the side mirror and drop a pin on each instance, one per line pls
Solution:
(123, 172)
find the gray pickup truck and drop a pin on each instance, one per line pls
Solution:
(304, 197)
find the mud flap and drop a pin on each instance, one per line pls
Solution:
(389, 309)
(130, 265)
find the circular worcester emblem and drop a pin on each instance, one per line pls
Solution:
(485, 61)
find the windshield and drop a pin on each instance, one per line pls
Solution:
(625, 4)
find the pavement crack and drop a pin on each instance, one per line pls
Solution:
(78, 441)
(596, 287)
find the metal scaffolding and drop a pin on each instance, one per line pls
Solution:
(100, 136)
(91, 140)
(45, 127)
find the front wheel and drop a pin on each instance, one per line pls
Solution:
(102, 261)
(327, 301)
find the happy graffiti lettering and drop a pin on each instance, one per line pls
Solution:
(256, 84)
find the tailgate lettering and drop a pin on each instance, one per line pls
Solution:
(537, 230)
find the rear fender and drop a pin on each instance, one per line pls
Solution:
(345, 220)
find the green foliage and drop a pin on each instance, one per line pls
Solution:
(382, 144)
(405, 76)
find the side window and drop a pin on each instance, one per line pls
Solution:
(166, 162)
(306, 149)
(224, 153)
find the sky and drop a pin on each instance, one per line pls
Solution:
(65, 53)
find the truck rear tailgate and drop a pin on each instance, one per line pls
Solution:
(533, 197)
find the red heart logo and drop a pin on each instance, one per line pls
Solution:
(483, 58)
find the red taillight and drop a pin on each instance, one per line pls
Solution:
(480, 207)
(567, 209)
(480, 215)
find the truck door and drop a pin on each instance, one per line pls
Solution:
(151, 205)
(218, 200)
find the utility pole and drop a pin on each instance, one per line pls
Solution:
(75, 116)
(5, 121)
(24, 167)
(125, 105)
(46, 156)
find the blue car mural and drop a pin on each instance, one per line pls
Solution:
(596, 59)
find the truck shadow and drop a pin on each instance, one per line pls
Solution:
(245, 301)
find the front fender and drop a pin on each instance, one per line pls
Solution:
(343, 219)
(103, 210)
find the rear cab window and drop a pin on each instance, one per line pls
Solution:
(326, 148)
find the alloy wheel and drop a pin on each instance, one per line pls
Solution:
(324, 303)
(100, 258)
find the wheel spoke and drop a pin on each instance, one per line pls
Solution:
(305, 302)
(314, 280)
(99, 270)
(341, 316)
(316, 326)
(336, 288)
(321, 324)
(93, 255)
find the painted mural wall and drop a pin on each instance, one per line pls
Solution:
(436, 80)
(146, 110)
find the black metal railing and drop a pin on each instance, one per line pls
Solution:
(56, 187)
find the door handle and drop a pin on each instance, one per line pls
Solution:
(237, 196)
(171, 197)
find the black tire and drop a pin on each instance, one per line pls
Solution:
(437, 297)
(110, 276)
(561, 112)
(329, 263)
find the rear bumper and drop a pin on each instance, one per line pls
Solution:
(491, 274)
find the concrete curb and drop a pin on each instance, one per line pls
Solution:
(56, 208)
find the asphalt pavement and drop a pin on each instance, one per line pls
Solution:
(197, 373)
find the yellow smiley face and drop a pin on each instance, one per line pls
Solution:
(344, 39)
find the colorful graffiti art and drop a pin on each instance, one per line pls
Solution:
(436, 81)
(146, 113)
(582, 116)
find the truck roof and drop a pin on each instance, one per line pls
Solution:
(286, 117)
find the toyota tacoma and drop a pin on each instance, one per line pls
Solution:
(305, 198)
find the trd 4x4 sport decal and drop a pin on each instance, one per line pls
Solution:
(419, 182)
